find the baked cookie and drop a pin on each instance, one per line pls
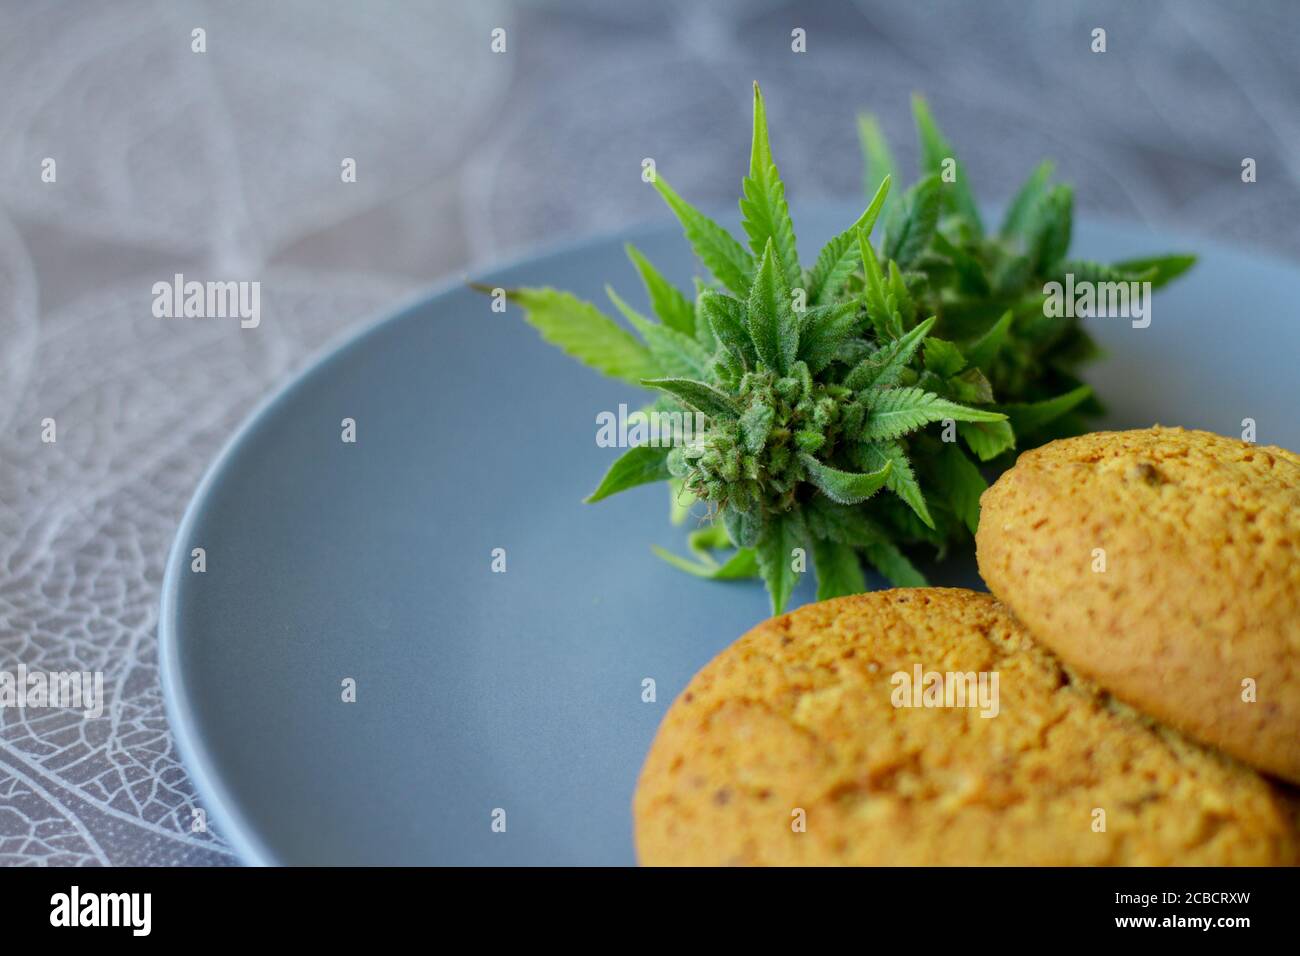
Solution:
(810, 741)
(1165, 565)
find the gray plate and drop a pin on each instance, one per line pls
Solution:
(522, 690)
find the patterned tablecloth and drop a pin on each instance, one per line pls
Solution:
(226, 164)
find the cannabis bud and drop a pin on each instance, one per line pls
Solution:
(823, 387)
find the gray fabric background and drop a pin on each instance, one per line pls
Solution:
(225, 165)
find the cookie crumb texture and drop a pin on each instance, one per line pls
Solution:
(1200, 590)
(797, 715)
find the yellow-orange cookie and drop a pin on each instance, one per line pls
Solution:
(1165, 565)
(788, 749)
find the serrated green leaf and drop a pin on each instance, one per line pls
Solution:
(839, 570)
(904, 305)
(957, 195)
(742, 564)
(584, 332)
(879, 305)
(960, 483)
(877, 162)
(766, 216)
(1164, 268)
(697, 395)
(1049, 228)
(897, 411)
(902, 479)
(673, 309)
(1028, 417)
(893, 565)
(703, 331)
(1084, 270)
(715, 247)
(972, 279)
(1030, 194)
(943, 358)
(743, 527)
(987, 439)
(839, 257)
(825, 329)
(985, 349)
(885, 366)
(677, 354)
(903, 525)
(853, 351)
(769, 317)
(775, 552)
(970, 387)
(912, 222)
(845, 487)
(726, 316)
(636, 466)
(847, 524)
(1010, 274)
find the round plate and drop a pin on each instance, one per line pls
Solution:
(477, 691)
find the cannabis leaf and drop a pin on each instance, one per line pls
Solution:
(1161, 269)
(960, 482)
(849, 410)
(725, 257)
(846, 488)
(637, 466)
(985, 349)
(897, 411)
(1034, 415)
(839, 569)
(770, 319)
(838, 259)
(742, 564)
(901, 479)
(825, 330)
(767, 217)
(1029, 196)
(673, 309)
(912, 222)
(988, 440)
(935, 152)
(586, 333)
(986, 290)
(700, 396)
(674, 352)
(726, 317)
(878, 162)
(775, 551)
